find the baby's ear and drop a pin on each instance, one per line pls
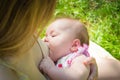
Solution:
(75, 45)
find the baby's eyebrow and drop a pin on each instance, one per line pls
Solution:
(49, 32)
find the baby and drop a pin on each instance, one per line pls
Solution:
(68, 42)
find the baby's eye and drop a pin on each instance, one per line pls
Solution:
(53, 35)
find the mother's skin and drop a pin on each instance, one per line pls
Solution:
(27, 64)
(108, 66)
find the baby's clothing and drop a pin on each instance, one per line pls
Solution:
(67, 60)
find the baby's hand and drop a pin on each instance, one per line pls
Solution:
(46, 64)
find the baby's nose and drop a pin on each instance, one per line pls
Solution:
(46, 39)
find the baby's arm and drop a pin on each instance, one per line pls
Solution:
(77, 71)
(53, 72)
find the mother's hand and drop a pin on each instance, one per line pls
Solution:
(93, 68)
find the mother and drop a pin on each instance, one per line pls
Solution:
(20, 49)
(19, 20)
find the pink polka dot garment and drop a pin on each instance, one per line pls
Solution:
(67, 60)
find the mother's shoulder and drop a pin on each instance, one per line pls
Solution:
(7, 74)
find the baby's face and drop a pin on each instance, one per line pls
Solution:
(59, 39)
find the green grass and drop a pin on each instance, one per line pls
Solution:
(102, 18)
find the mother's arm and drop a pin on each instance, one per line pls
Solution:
(108, 66)
(108, 69)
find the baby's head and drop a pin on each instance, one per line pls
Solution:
(77, 29)
(64, 35)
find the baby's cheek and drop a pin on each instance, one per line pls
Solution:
(52, 55)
